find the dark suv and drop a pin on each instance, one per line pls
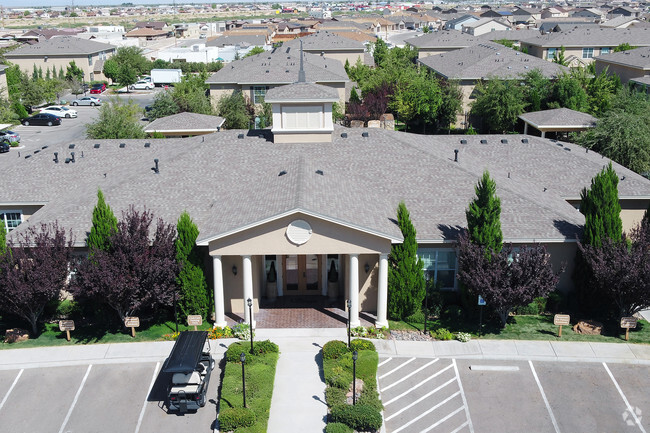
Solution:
(190, 364)
(4, 146)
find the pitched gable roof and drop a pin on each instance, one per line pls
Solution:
(61, 46)
(589, 37)
(325, 41)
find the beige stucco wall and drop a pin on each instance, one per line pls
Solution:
(563, 254)
(632, 212)
(27, 64)
(624, 72)
(27, 210)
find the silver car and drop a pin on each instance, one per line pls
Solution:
(87, 100)
(10, 136)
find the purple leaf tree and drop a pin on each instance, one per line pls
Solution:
(33, 271)
(138, 270)
(505, 279)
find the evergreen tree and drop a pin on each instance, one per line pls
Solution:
(74, 71)
(104, 225)
(601, 209)
(35, 73)
(483, 215)
(193, 287)
(61, 73)
(405, 276)
(40, 72)
(47, 74)
(354, 97)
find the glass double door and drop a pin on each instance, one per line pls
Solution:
(302, 274)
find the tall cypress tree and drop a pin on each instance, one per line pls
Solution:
(601, 209)
(405, 276)
(104, 225)
(484, 215)
(191, 280)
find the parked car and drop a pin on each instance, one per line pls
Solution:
(142, 85)
(43, 119)
(146, 78)
(87, 100)
(190, 364)
(61, 111)
(97, 88)
(4, 146)
(11, 136)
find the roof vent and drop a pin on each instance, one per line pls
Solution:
(36, 151)
(67, 160)
(96, 146)
(122, 145)
(282, 173)
(56, 157)
(71, 146)
(147, 145)
(504, 141)
(155, 169)
(344, 135)
(524, 140)
(240, 136)
(455, 155)
(320, 172)
(463, 141)
(483, 141)
(44, 147)
(28, 156)
(566, 148)
(71, 156)
(364, 134)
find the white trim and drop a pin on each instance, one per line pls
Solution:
(206, 241)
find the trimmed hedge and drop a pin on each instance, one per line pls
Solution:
(359, 345)
(334, 349)
(232, 418)
(335, 396)
(360, 417)
(259, 348)
(337, 427)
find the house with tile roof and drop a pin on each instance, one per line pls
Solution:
(582, 45)
(484, 61)
(306, 206)
(255, 75)
(58, 52)
(431, 44)
(627, 65)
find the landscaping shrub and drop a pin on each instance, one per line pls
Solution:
(416, 317)
(337, 427)
(538, 306)
(242, 331)
(370, 397)
(337, 376)
(335, 395)
(265, 346)
(231, 418)
(463, 337)
(358, 345)
(259, 348)
(453, 313)
(334, 349)
(442, 334)
(556, 302)
(360, 417)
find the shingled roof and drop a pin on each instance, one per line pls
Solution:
(559, 117)
(61, 46)
(191, 123)
(325, 41)
(300, 92)
(443, 39)
(590, 37)
(638, 58)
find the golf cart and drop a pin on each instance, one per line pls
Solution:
(190, 364)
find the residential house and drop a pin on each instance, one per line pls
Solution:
(582, 45)
(591, 13)
(627, 65)
(58, 52)
(554, 12)
(148, 34)
(485, 61)
(457, 23)
(304, 207)
(620, 22)
(257, 74)
(240, 40)
(435, 43)
(331, 46)
(525, 16)
(485, 25)
(155, 25)
(625, 11)
(501, 15)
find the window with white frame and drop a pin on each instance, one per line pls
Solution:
(259, 93)
(587, 53)
(10, 219)
(439, 265)
(551, 53)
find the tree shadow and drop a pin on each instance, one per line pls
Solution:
(450, 233)
(568, 229)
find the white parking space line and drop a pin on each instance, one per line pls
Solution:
(627, 403)
(396, 368)
(410, 374)
(462, 394)
(428, 412)
(74, 402)
(442, 420)
(417, 386)
(4, 400)
(384, 362)
(541, 390)
(462, 426)
(425, 396)
(144, 405)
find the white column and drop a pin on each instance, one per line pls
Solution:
(219, 311)
(382, 292)
(248, 288)
(543, 134)
(353, 289)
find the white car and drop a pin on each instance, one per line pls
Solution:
(61, 111)
(87, 100)
(142, 85)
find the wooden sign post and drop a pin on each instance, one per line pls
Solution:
(67, 326)
(194, 320)
(561, 320)
(132, 322)
(628, 323)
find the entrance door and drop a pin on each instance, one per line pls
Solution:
(302, 274)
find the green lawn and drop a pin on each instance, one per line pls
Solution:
(532, 328)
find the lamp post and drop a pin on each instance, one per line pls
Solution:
(355, 355)
(175, 312)
(250, 317)
(349, 304)
(242, 358)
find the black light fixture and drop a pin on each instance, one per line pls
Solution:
(366, 267)
(250, 317)
(234, 269)
(242, 358)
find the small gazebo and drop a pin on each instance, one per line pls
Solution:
(558, 120)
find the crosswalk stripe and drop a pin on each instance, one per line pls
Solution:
(426, 412)
(463, 425)
(442, 420)
(410, 374)
(429, 394)
(384, 362)
(418, 385)
(396, 368)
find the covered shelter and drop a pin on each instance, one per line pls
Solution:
(558, 120)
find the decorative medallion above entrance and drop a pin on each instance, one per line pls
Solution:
(299, 232)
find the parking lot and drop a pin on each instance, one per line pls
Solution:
(446, 395)
(95, 399)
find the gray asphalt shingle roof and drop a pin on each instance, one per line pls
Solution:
(325, 41)
(638, 58)
(186, 122)
(60, 46)
(488, 59)
(443, 39)
(280, 66)
(227, 183)
(562, 117)
(302, 92)
(590, 37)
(227, 40)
